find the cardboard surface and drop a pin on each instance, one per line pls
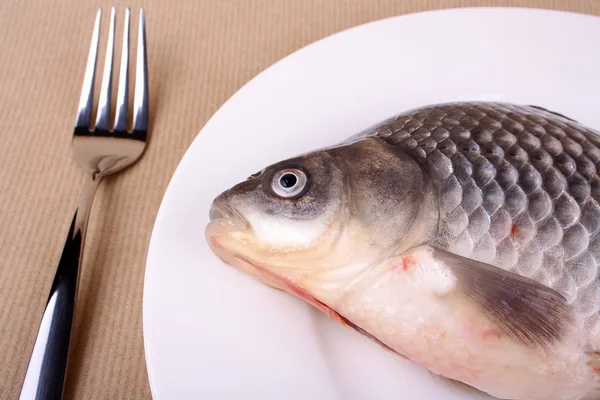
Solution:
(199, 52)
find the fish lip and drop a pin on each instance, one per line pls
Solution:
(260, 272)
(239, 261)
(215, 212)
(281, 282)
(222, 213)
(220, 209)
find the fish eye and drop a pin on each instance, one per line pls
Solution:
(289, 182)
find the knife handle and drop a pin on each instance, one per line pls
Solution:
(47, 367)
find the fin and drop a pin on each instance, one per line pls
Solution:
(460, 388)
(527, 311)
(552, 112)
(345, 321)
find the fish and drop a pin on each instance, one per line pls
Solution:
(462, 236)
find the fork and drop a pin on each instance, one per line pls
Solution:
(101, 151)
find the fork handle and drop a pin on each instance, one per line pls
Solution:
(47, 367)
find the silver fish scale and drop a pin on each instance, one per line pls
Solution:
(518, 189)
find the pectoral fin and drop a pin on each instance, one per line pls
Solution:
(460, 388)
(523, 309)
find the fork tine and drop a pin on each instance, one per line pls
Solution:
(104, 102)
(122, 94)
(84, 111)
(140, 101)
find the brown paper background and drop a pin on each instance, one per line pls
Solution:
(200, 52)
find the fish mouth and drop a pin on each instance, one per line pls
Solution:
(216, 239)
(220, 209)
(225, 233)
(222, 215)
(261, 272)
(217, 212)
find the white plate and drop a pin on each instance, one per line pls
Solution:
(212, 332)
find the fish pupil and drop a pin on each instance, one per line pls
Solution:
(288, 180)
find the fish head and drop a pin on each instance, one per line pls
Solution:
(316, 221)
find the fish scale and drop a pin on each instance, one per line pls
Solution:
(518, 189)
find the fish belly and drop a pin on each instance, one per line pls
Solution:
(417, 314)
